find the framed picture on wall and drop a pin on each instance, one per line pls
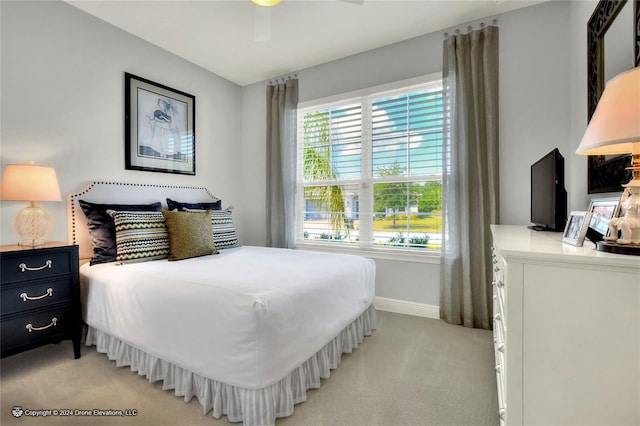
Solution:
(576, 228)
(160, 127)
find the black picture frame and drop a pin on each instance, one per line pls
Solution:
(606, 173)
(160, 127)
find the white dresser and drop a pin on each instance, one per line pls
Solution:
(566, 331)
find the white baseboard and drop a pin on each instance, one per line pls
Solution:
(407, 308)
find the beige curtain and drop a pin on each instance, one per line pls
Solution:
(470, 180)
(282, 101)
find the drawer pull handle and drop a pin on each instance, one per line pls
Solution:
(25, 297)
(31, 328)
(23, 266)
(501, 413)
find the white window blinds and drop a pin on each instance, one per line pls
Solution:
(370, 169)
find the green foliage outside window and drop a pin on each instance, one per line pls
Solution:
(318, 167)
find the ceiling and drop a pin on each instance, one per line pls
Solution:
(223, 36)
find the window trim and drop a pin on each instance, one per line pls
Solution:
(334, 101)
(384, 253)
(347, 97)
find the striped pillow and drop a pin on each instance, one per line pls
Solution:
(224, 233)
(140, 236)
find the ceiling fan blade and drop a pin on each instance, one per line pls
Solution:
(261, 23)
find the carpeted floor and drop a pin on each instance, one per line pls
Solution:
(412, 371)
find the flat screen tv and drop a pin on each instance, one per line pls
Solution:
(548, 195)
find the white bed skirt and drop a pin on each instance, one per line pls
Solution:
(251, 406)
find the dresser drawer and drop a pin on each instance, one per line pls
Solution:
(20, 297)
(24, 330)
(29, 265)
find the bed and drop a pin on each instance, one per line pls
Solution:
(247, 331)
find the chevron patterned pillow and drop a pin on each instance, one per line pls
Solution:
(224, 233)
(140, 236)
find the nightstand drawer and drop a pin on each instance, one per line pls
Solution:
(31, 265)
(20, 297)
(23, 330)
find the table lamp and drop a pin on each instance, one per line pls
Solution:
(615, 129)
(28, 182)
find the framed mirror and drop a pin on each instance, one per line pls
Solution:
(614, 26)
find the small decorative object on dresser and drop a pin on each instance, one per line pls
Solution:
(576, 228)
(602, 211)
(40, 296)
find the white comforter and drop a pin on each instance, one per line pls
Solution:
(245, 317)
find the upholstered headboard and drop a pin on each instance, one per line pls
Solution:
(122, 193)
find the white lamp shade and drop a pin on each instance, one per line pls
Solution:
(615, 125)
(28, 182)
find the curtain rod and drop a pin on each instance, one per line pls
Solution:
(469, 28)
(283, 79)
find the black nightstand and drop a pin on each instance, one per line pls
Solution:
(40, 301)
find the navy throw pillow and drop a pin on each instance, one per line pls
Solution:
(172, 205)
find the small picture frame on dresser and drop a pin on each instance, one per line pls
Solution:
(576, 228)
(602, 210)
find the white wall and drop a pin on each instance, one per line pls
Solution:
(535, 108)
(63, 105)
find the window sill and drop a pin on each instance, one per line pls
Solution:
(385, 254)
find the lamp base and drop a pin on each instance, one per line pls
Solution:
(617, 248)
(31, 243)
(32, 225)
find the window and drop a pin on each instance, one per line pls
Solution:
(370, 168)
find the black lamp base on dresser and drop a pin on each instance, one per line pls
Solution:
(613, 247)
